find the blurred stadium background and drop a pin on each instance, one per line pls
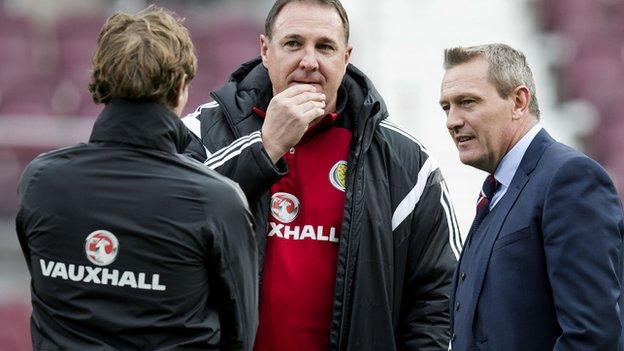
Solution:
(576, 49)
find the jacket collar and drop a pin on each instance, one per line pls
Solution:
(142, 124)
(535, 151)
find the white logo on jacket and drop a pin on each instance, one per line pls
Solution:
(101, 248)
(100, 276)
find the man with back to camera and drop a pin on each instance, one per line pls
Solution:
(357, 235)
(542, 265)
(131, 245)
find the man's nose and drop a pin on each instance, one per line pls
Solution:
(454, 120)
(308, 61)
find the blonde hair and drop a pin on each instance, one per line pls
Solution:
(142, 57)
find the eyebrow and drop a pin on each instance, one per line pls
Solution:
(459, 98)
(300, 37)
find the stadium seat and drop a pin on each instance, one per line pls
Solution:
(29, 96)
(77, 38)
(15, 335)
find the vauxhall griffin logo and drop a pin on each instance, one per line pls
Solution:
(101, 247)
(284, 207)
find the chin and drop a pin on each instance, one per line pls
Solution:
(469, 160)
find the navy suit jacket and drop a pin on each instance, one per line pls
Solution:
(548, 271)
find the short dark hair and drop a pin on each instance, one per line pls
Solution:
(279, 5)
(508, 68)
(142, 57)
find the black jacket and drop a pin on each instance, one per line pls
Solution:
(399, 239)
(133, 246)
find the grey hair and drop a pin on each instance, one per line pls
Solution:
(508, 68)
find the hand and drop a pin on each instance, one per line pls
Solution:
(288, 116)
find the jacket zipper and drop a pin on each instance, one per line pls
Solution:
(358, 159)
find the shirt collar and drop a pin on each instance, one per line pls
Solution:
(509, 164)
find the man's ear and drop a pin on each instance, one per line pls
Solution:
(521, 98)
(179, 102)
(264, 46)
(347, 55)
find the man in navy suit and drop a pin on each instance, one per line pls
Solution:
(542, 265)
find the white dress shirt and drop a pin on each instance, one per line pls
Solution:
(509, 164)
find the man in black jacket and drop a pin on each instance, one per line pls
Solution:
(357, 236)
(131, 245)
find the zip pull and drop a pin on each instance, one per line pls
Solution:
(292, 150)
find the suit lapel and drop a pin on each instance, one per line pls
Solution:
(492, 228)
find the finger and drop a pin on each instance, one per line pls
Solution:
(306, 97)
(296, 90)
(313, 110)
(305, 107)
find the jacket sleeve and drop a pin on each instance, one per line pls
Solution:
(434, 246)
(582, 231)
(243, 160)
(21, 221)
(23, 240)
(196, 148)
(234, 258)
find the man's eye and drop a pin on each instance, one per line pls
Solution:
(325, 47)
(445, 108)
(467, 102)
(291, 43)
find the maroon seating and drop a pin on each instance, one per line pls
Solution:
(15, 331)
(29, 96)
(77, 39)
(594, 69)
(16, 50)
